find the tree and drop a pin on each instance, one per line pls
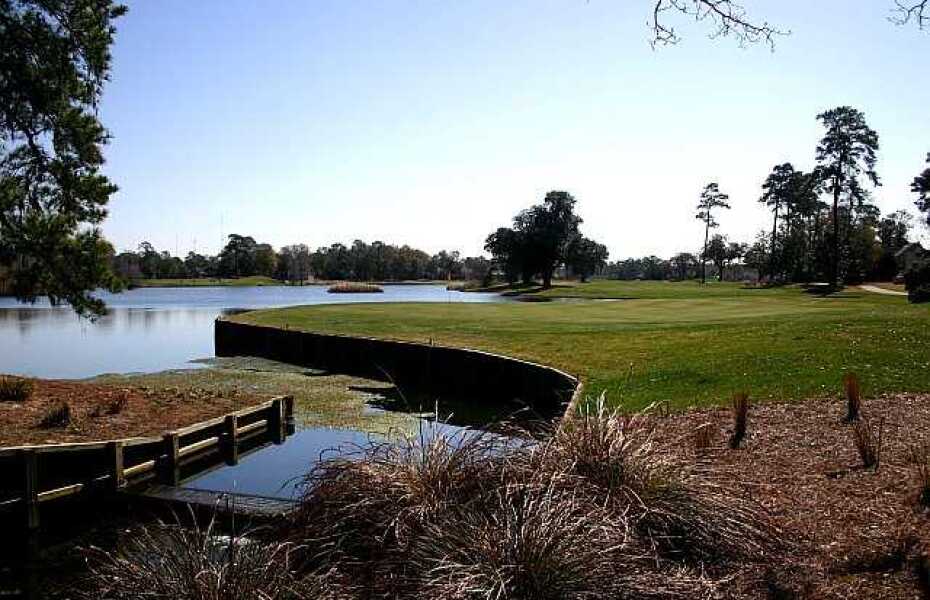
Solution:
(238, 256)
(921, 187)
(294, 263)
(717, 251)
(846, 152)
(683, 265)
(54, 60)
(782, 191)
(711, 198)
(585, 257)
(547, 229)
(264, 260)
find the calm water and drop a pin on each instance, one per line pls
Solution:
(153, 329)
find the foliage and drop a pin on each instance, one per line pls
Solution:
(847, 152)
(739, 408)
(917, 283)
(711, 199)
(54, 60)
(921, 187)
(15, 389)
(868, 442)
(542, 238)
(585, 257)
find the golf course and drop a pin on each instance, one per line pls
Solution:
(681, 343)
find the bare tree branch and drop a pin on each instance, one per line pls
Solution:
(728, 18)
(912, 12)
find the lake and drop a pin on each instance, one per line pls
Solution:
(154, 329)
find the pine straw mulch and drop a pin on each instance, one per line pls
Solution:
(854, 533)
(100, 412)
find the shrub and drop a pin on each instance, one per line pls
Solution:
(112, 405)
(740, 411)
(192, 563)
(348, 287)
(56, 417)
(868, 442)
(919, 457)
(15, 389)
(917, 283)
(853, 397)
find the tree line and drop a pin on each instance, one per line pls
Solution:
(243, 256)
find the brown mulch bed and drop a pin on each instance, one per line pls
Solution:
(100, 412)
(852, 532)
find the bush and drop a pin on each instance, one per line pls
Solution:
(57, 417)
(15, 389)
(917, 283)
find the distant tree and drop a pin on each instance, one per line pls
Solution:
(507, 250)
(196, 265)
(893, 232)
(717, 251)
(445, 265)
(547, 229)
(238, 256)
(782, 191)
(294, 263)
(54, 60)
(477, 268)
(150, 260)
(921, 187)
(735, 252)
(846, 152)
(264, 260)
(711, 199)
(683, 265)
(756, 256)
(585, 257)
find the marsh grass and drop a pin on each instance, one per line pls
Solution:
(350, 287)
(592, 510)
(190, 562)
(15, 389)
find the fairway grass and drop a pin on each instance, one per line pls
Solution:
(677, 342)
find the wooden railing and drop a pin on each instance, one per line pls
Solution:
(33, 475)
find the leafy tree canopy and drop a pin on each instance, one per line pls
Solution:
(54, 60)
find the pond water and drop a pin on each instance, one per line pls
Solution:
(154, 329)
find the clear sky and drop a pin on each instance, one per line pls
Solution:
(433, 122)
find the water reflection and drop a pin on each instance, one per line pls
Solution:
(155, 329)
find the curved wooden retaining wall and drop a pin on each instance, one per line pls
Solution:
(436, 370)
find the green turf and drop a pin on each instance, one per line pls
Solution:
(257, 280)
(681, 343)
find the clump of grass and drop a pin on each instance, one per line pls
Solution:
(853, 395)
(193, 563)
(112, 405)
(349, 287)
(868, 441)
(15, 389)
(592, 510)
(740, 411)
(56, 417)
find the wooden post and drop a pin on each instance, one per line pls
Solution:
(230, 435)
(289, 414)
(276, 421)
(31, 467)
(171, 473)
(115, 460)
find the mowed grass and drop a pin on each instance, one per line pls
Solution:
(687, 345)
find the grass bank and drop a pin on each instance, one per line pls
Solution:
(683, 343)
(257, 280)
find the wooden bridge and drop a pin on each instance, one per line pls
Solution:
(146, 468)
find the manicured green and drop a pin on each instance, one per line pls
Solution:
(681, 343)
(256, 280)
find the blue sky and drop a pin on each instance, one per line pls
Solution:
(433, 122)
